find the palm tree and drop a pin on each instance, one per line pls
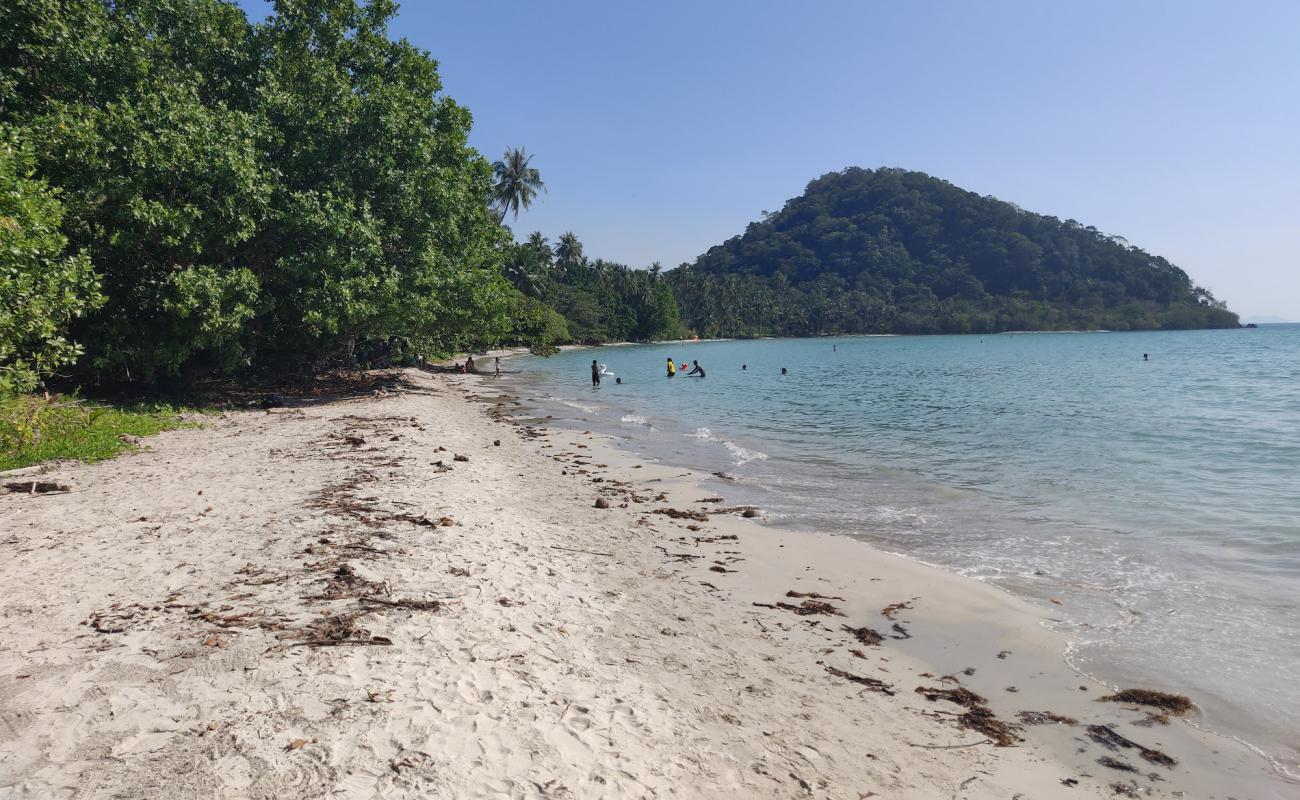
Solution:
(541, 248)
(517, 183)
(568, 251)
(521, 270)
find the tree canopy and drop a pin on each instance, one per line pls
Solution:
(254, 194)
(893, 251)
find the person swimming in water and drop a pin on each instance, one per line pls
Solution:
(1146, 357)
(595, 374)
(783, 371)
(744, 367)
(672, 367)
(697, 371)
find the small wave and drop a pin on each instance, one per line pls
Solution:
(741, 455)
(635, 419)
(580, 406)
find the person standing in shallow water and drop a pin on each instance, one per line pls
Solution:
(697, 371)
(672, 367)
(595, 374)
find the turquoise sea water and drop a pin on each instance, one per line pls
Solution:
(1158, 500)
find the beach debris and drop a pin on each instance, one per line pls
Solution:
(866, 636)
(414, 520)
(1115, 763)
(720, 568)
(978, 717)
(749, 513)
(709, 500)
(676, 556)
(870, 683)
(1151, 719)
(813, 595)
(857, 654)
(901, 631)
(969, 671)
(459, 572)
(272, 401)
(806, 608)
(601, 503)
(460, 457)
(893, 608)
(1045, 718)
(298, 744)
(961, 696)
(339, 629)
(37, 487)
(1107, 737)
(104, 622)
(673, 513)
(1069, 781)
(1175, 704)
(411, 603)
(1003, 654)
(354, 440)
(344, 582)
(496, 442)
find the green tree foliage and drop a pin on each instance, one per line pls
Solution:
(269, 195)
(593, 301)
(891, 251)
(43, 287)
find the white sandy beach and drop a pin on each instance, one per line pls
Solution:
(263, 607)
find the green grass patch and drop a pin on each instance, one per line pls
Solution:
(38, 429)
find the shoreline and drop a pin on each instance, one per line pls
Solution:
(1052, 645)
(1101, 634)
(532, 645)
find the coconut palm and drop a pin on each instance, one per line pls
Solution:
(568, 251)
(517, 183)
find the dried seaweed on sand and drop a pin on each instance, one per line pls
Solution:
(1175, 704)
(1107, 737)
(865, 635)
(674, 513)
(893, 608)
(978, 716)
(871, 683)
(813, 595)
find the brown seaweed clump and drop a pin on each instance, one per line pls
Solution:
(978, 716)
(866, 636)
(961, 696)
(1109, 738)
(871, 683)
(1175, 704)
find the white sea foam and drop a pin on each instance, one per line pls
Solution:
(635, 419)
(581, 406)
(740, 455)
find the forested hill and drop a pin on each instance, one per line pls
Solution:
(893, 251)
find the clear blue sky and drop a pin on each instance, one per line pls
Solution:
(663, 128)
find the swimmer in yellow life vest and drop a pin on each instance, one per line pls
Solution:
(672, 368)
